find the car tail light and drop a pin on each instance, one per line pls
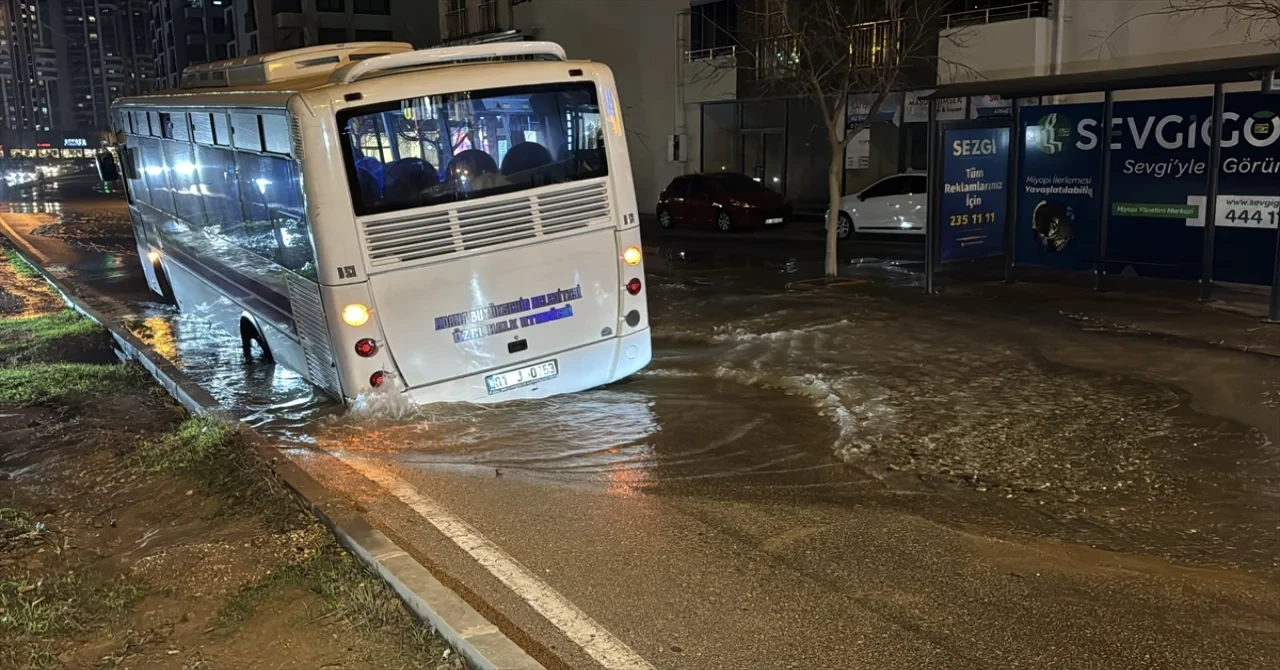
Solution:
(366, 347)
(376, 379)
(633, 286)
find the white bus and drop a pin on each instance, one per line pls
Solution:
(456, 224)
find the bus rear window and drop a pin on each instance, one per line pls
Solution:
(435, 149)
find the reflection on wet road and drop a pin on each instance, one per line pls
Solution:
(970, 413)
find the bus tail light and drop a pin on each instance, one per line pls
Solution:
(366, 347)
(355, 314)
(376, 379)
(153, 255)
(632, 256)
(633, 286)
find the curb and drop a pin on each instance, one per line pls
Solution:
(480, 643)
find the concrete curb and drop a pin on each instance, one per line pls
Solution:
(473, 637)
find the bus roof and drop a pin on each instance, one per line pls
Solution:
(269, 80)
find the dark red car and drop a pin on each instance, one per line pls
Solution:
(726, 200)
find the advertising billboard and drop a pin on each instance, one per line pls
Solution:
(1159, 177)
(974, 197)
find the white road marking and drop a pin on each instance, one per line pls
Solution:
(599, 643)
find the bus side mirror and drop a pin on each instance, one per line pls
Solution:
(107, 169)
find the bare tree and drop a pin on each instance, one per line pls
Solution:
(1257, 20)
(824, 51)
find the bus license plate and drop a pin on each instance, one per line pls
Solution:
(531, 374)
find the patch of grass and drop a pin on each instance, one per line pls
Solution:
(14, 519)
(20, 267)
(31, 337)
(197, 442)
(46, 382)
(62, 605)
(206, 450)
(240, 606)
(27, 656)
(347, 589)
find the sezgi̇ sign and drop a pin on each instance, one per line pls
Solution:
(974, 198)
(1159, 174)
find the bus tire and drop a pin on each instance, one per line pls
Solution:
(249, 334)
(162, 280)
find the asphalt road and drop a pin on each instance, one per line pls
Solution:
(858, 479)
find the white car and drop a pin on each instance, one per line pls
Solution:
(893, 205)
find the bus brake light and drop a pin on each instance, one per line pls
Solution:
(366, 347)
(633, 286)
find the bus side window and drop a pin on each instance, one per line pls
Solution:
(185, 180)
(155, 173)
(137, 187)
(275, 225)
(257, 233)
(221, 191)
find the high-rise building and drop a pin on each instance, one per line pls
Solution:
(188, 32)
(62, 62)
(105, 56)
(263, 26)
(30, 98)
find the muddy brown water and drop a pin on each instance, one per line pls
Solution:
(1006, 418)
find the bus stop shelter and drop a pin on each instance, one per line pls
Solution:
(1186, 188)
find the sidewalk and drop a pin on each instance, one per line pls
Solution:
(1234, 317)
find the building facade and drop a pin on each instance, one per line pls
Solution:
(31, 92)
(680, 70)
(188, 32)
(263, 26)
(62, 62)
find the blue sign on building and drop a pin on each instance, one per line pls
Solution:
(974, 198)
(1159, 175)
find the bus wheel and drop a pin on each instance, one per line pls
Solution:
(162, 280)
(248, 335)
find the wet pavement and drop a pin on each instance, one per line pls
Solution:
(852, 477)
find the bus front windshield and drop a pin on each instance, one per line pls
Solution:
(444, 148)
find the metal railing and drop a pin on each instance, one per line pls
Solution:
(712, 53)
(976, 17)
(870, 44)
(455, 22)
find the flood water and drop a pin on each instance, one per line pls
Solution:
(974, 412)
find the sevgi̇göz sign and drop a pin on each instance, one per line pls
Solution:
(975, 176)
(1159, 175)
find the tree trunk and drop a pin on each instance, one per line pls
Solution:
(834, 173)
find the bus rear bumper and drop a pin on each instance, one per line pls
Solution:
(579, 369)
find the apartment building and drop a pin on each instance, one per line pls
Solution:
(108, 53)
(263, 26)
(62, 62)
(188, 32)
(29, 85)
